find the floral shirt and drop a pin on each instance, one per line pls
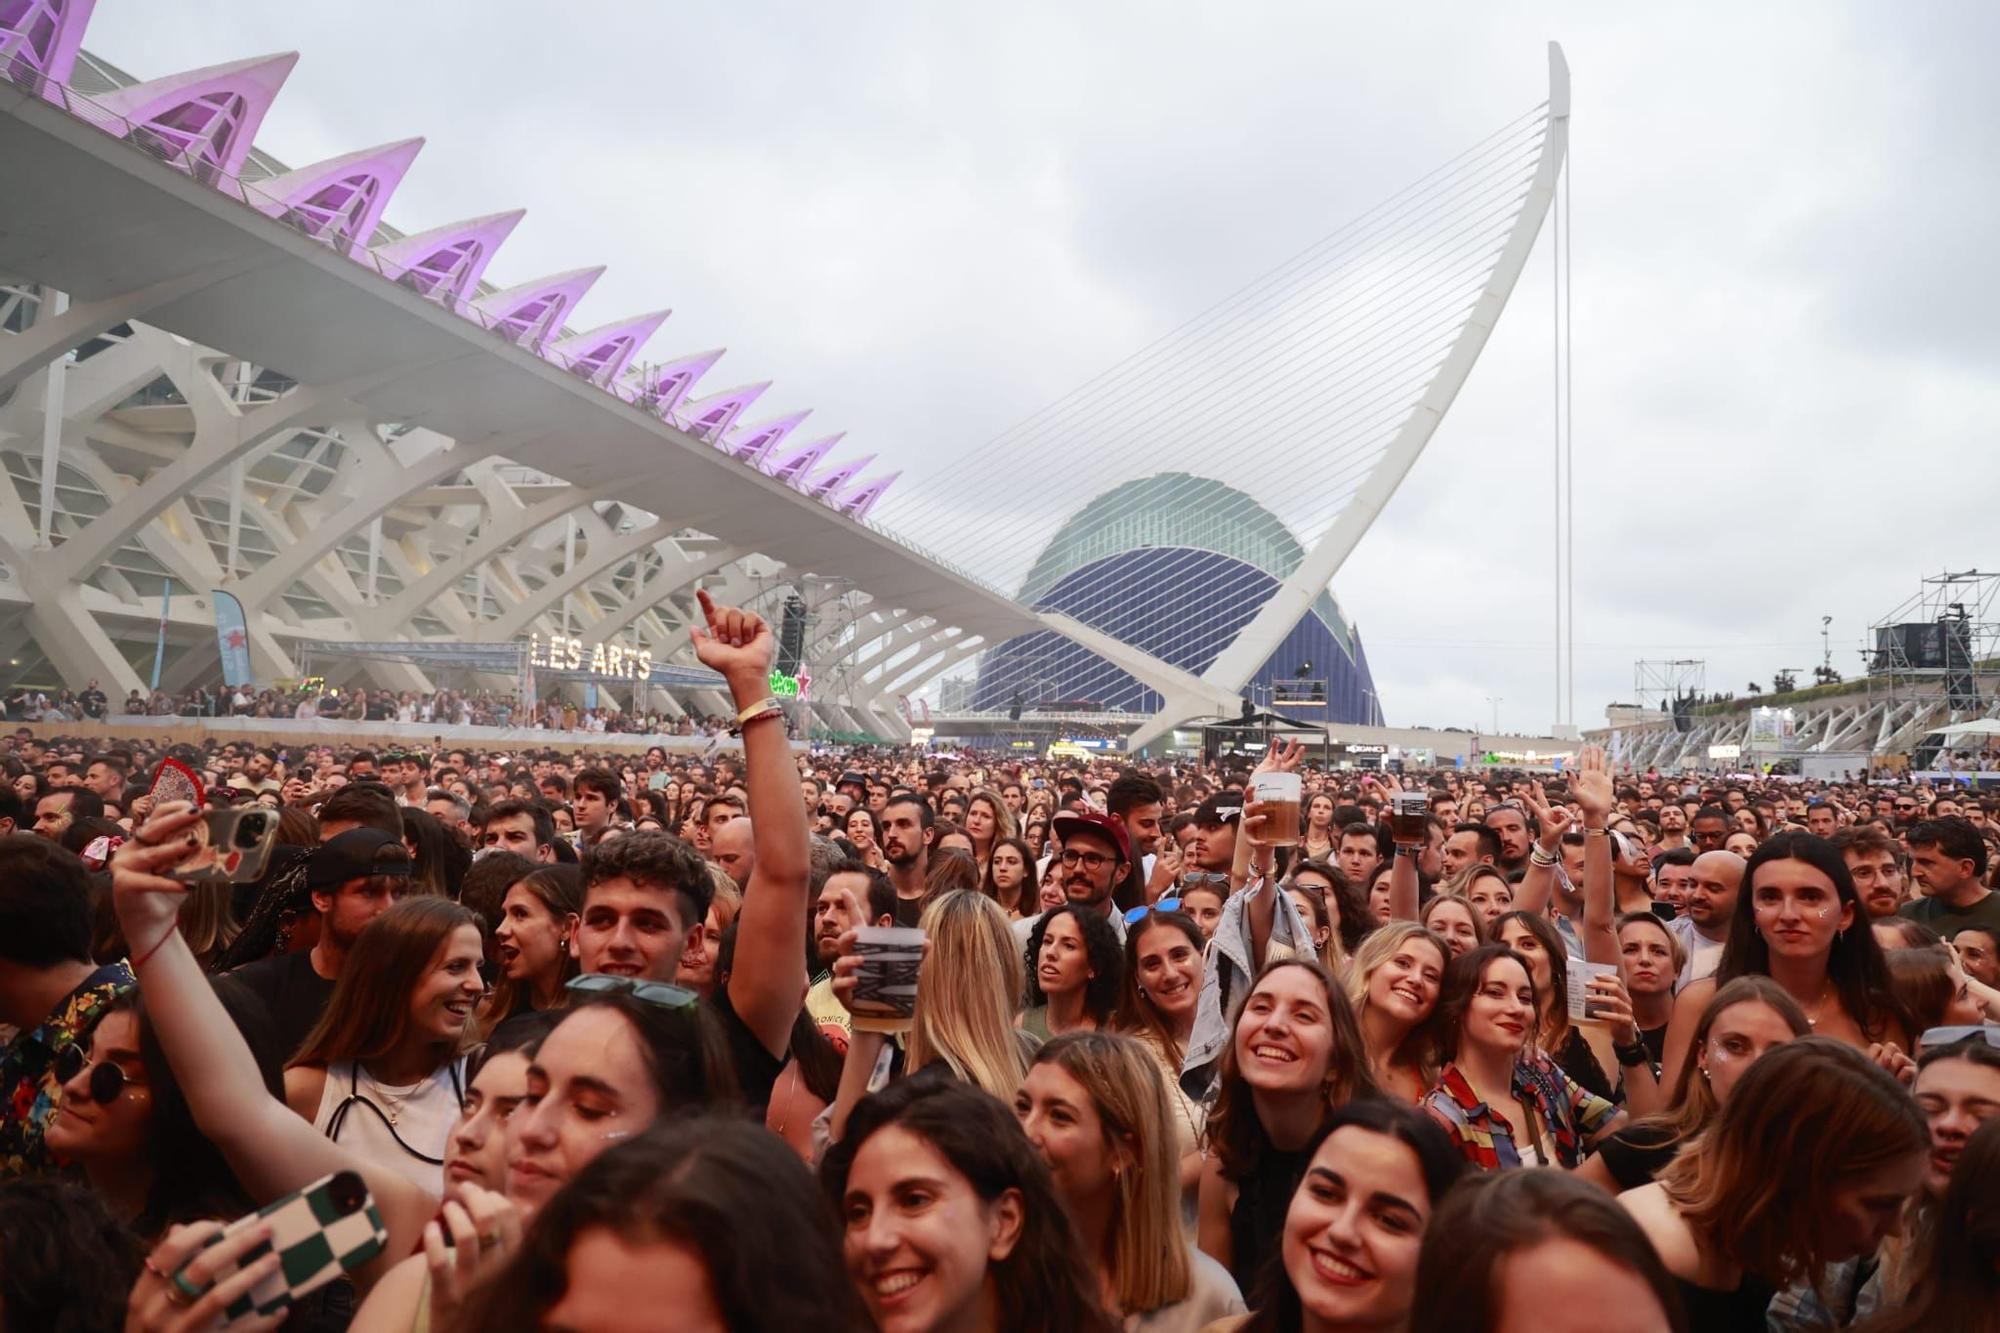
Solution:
(28, 1087)
(1568, 1113)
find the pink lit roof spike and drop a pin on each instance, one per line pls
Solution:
(446, 262)
(665, 386)
(710, 419)
(753, 444)
(339, 201)
(531, 313)
(39, 40)
(602, 354)
(791, 468)
(824, 485)
(857, 502)
(205, 119)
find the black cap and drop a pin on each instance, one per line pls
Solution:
(1225, 807)
(852, 779)
(357, 853)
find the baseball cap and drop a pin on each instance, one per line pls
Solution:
(1068, 822)
(355, 853)
(1225, 807)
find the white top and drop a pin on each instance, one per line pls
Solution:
(398, 1127)
(1212, 1295)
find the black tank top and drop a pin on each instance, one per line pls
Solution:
(1257, 1223)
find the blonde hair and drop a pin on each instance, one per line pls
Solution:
(1003, 818)
(968, 990)
(207, 921)
(1418, 1049)
(1148, 1259)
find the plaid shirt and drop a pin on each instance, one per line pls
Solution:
(28, 1087)
(1569, 1113)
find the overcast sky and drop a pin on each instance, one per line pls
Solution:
(926, 222)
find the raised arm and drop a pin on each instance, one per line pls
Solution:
(1260, 910)
(1594, 793)
(272, 1151)
(1538, 885)
(768, 981)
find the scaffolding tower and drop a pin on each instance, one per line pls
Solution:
(1942, 640)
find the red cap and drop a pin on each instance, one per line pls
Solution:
(1067, 822)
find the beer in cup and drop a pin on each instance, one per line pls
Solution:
(1279, 793)
(1407, 813)
(885, 991)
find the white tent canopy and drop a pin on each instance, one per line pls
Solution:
(1985, 726)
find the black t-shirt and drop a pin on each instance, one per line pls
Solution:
(909, 910)
(289, 993)
(756, 1068)
(1637, 1153)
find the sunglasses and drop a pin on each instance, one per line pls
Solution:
(1935, 1039)
(659, 994)
(1138, 914)
(1197, 878)
(106, 1079)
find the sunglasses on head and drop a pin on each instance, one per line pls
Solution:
(659, 994)
(106, 1079)
(1138, 914)
(1936, 1039)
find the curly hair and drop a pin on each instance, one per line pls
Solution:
(653, 860)
(56, 1232)
(1101, 949)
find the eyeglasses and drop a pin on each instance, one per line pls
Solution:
(1138, 914)
(1091, 861)
(1935, 1039)
(106, 1079)
(659, 994)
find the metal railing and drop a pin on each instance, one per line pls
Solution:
(88, 110)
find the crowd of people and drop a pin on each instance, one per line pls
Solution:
(601, 1039)
(312, 700)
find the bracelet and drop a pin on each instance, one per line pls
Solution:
(1630, 1057)
(1596, 832)
(1409, 849)
(1536, 856)
(140, 961)
(768, 704)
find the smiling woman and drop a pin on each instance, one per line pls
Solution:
(382, 1072)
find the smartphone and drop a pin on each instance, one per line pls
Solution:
(233, 846)
(328, 1228)
(1664, 910)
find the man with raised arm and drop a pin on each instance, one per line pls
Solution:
(646, 895)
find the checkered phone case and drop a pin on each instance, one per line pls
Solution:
(328, 1228)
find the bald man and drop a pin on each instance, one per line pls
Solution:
(730, 847)
(1704, 921)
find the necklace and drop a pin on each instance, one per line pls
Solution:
(1813, 1011)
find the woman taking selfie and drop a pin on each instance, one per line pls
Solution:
(1799, 921)
(1809, 1163)
(1076, 969)
(1745, 1019)
(949, 1221)
(1009, 871)
(1393, 984)
(1573, 1050)
(1503, 1103)
(531, 944)
(1294, 1054)
(383, 1072)
(1095, 1107)
(1347, 1261)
